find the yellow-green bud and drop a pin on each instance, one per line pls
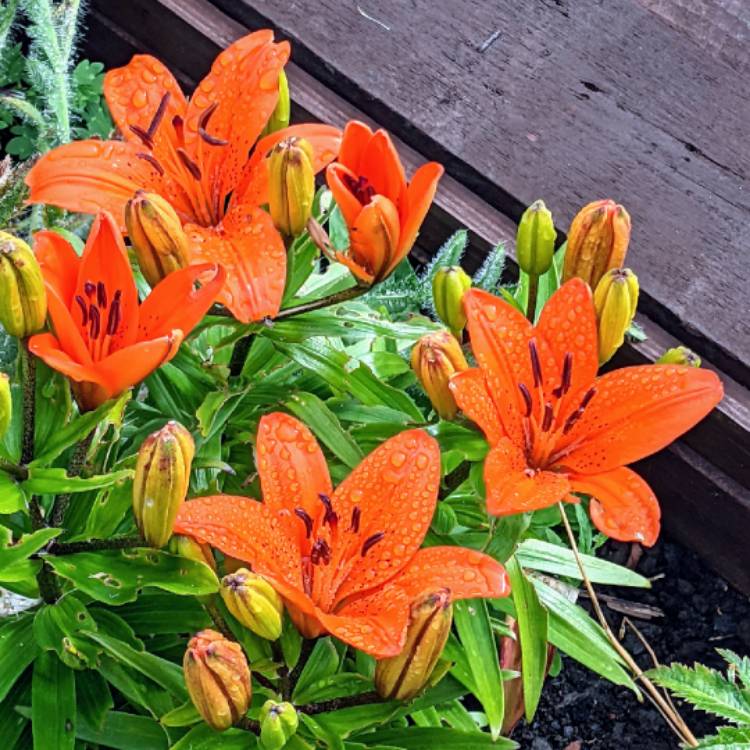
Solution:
(597, 241)
(217, 677)
(435, 358)
(535, 240)
(291, 185)
(404, 676)
(162, 476)
(448, 286)
(23, 298)
(680, 355)
(615, 300)
(6, 404)
(186, 546)
(254, 602)
(278, 723)
(282, 114)
(156, 235)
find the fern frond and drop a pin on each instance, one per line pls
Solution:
(739, 665)
(7, 17)
(490, 272)
(706, 689)
(727, 738)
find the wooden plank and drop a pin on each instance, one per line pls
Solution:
(570, 101)
(712, 462)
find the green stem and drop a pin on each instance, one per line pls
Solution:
(307, 648)
(334, 299)
(533, 294)
(28, 376)
(218, 619)
(338, 703)
(16, 471)
(95, 545)
(249, 724)
(77, 461)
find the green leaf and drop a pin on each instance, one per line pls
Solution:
(334, 686)
(183, 716)
(56, 481)
(478, 640)
(11, 495)
(156, 613)
(57, 627)
(438, 738)
(17, 650)
(13, 723)
(705, 689)
(161, 671)
(93, 698)
(79, 428)
(532, 633)
(727, 738)
(53, 704)
(108, 510)
(327, 428)
(323, 662)
(204, 738)
(301, 258)
(122, 731)
(536, 554)
(27, 545)
(572, 631)
(116, 576)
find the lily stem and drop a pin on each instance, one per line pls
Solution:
(209, 604)
(249, 724)
(338, 703)
(77, 461)
(28, 377)
(307, 648)
(95, 545)
(16, 471)
(334, 299)
(532, 300)
(671, 716)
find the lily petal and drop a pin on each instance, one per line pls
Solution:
(176, 303)
(637, 411)
(348, 204)
(469, 388)
(623, 506)
(419, 197)
(254, 257)
(244, 529)
(48, 348)
(355, 139)
(380, 164)
(293, 471)
(59, 263)
(567, 324)
(89, 176)
(395, 491)
(514, 488)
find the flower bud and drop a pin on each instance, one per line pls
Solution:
(23, 298)
(615, 300)
(448, 286)
(156, 235)
(162, 475)
(535, 240)
(291, 185)
(6, 404)
(186, 546)
(282, 114)
(217, 678)
(680, 355)
(402, 677)
(374, 238)
(254, 602)
(435, 358)
(278, 724)
(597, 241)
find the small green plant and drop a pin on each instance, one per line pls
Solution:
(725, 696)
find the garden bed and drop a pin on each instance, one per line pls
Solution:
(703, 480)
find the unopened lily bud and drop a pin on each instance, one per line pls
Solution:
(680, 355)
(254, 602)
(162, 476)
(217, 677)
(278, 724)
(156, 235)
(23, 298)
(597, 241)
(186, 546)
(448, 286)
(6, 404)
(535, 240)
(435, 358)
(402, 677)
(282, 114)
(615, 300)
(291, 185)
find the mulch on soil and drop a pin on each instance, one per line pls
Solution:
(701, 613)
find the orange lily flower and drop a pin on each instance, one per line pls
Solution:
(194, 154)
(382, 211)
(554, 427)
(104, 340)
(347, 562)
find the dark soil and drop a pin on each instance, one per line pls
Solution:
(701, 613)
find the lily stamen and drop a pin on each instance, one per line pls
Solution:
(371, 541)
